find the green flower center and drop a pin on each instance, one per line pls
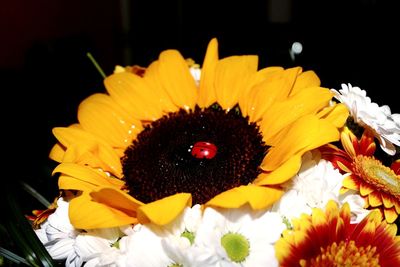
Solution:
(189, 235)
(236, 246)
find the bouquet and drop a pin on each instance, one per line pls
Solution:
(224, 164)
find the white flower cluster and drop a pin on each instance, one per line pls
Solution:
(378, 119)
(209, 237)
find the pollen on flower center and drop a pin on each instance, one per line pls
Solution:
(236, 246)
(203, 152)
(378, 175)
(344, 254)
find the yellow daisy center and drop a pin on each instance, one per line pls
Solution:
(377, 175)
(344, 254)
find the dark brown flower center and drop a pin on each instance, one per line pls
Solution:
(161, 161)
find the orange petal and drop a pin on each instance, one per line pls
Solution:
(259, 197)
(165, 210)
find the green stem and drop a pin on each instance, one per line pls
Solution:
(96, 65)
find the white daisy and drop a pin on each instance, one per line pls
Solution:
(168, 245)
(378, 119)
(64, 242)
(316, 183)
(237, 237)
(144, 248)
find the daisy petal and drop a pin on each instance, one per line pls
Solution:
(258, 197)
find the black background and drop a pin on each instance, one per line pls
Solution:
(45, 73)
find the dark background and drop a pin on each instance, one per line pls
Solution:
(45, 73)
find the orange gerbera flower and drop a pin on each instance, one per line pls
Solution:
(326, 238)
(377, 183)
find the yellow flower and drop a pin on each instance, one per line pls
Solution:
(378, 184)
(156, 142)
(326, 238)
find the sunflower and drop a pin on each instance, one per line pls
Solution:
(157, 142)
(378, 184)
(326, 238)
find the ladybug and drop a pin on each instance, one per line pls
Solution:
(203, 150)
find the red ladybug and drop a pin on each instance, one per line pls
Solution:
(203, 150)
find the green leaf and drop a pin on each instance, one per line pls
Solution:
(22, 234)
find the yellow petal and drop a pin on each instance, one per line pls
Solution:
(366, 189)
(163, 99)
(387, 201)
(66, 182)
(165, 210)
(57, 152)
(280, 175)
(337, 114)
(176, 79)
(116, 199)
(102, 116)
(87, 214)
(390, 215)
(232, 75)
(281, 114)
(375, 199)
(276, 87)
(133, 94)
(207, 90)
(260, 98)
(303, 135)
(259, 197)
(87, 149)
(350, 183)
(304, 80)
(86, 175)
